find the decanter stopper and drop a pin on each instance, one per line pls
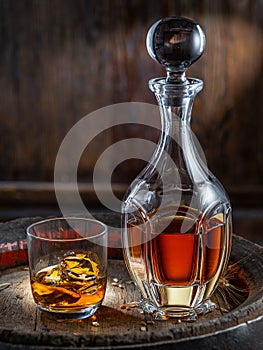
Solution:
(175, 43)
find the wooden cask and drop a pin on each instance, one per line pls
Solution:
(235, 324)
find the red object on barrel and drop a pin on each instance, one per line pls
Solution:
(13, 253)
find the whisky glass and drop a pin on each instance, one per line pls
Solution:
(68, 266)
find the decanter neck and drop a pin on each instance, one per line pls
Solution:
(176, 99)
(176, 149)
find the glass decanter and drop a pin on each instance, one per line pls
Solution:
(176, 224)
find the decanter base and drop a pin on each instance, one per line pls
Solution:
(180, 312)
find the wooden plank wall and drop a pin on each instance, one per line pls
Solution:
(62, 59)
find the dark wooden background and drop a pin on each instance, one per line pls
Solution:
(62, 59)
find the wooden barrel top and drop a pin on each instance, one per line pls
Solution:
(23, 326)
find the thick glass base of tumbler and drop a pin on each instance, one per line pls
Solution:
(69, 314)
(176, 311)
